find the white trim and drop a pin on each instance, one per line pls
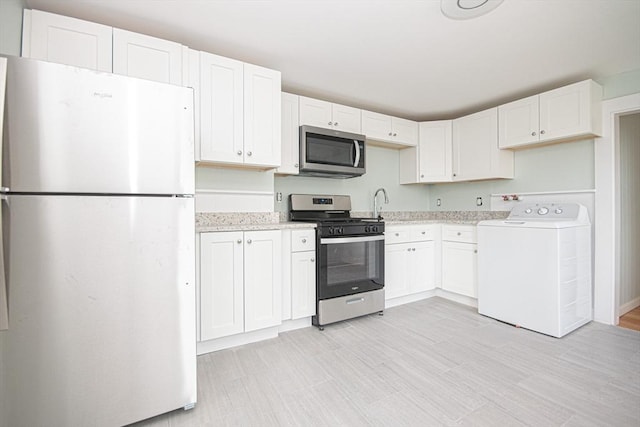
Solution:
(406, 299)
(606, 274)
(204, 347)
(625, 308)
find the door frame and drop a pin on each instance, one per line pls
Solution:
(607, 217)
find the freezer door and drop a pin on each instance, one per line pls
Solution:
(101, 309)
(73, 130)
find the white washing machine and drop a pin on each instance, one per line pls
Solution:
(534, 267)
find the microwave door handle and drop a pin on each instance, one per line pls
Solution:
(355, 143)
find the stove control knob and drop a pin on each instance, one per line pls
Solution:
(367, 229)
(331, 231)
(340, 230)
(558, 211)
(543, 211)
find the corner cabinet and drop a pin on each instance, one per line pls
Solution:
(391, 131)
(316, 112)
(290, 141)
(431, 160)
(240, 112)
(476, 155)
(567, 113)
(64, 40)
(459, 260)
(240, 282)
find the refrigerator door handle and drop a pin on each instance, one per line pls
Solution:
(4, 304)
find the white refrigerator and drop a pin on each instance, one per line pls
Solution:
(97, 288)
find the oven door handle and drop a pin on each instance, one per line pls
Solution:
(339, 240)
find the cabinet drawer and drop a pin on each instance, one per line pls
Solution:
(459, 233)
(303, 240)
(423, 233)
(397, 235)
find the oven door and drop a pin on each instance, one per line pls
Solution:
(350, 265)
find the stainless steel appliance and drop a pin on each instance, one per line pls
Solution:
(331, 153)
(98, 241)
(350, 257)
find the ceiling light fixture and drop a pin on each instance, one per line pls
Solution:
(467, 9)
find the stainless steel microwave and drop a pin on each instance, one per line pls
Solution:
(331, 153)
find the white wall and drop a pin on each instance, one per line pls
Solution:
(629, 156)
(11, 26)
(382, 171)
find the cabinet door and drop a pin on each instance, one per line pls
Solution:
(459, 268)
(315, 112)
(376, 126)
(65, 40)
(221, 117)
(146, 57)
(566, 111)
(518, 122)
(423, 269)
(405, 131)
(221, 285)
(397, 259)
(346, 118)
(435, 151)
(303, 284)
(262, 116)
(475, 148)
(290, 148)
(262, 279)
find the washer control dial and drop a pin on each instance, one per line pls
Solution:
(543, 211)
(558, 211)
(528, 211)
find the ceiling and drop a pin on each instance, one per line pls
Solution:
(400, 57)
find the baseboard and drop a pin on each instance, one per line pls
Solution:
(204, 347)
(406, 299)
(292, 325)
(627, 307)
(462, 299)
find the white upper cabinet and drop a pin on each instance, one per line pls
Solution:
(476, 154)
(290, 148)
(393, 131)
(563, 114)
(239, 112)
(146, 57)
(262, 116)
(65, 40)
(431, 160)
(316, 112)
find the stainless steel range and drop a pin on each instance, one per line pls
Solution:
(350, 257)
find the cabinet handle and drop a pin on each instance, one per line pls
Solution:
(249, 153)
(395, 134)
(455, 174)
(304, 240)
(239, 153)
(312, 260)
(330, 123)
(296, 166)
(424, 232)
(413, 249)
(335, 124)
(475, 251)
(459, 233)
(239, 241)
(533, 134)
(542, 132)
(390, 134)
(397, 234)
(408, 249)
(421, 176)
(249, 241)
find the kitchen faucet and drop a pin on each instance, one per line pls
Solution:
(376, 210)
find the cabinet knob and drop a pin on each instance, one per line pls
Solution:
(312, 260)
(239, 153)
(533, 134)
(475, 251)
(330, 123)
(304, 240)
(395, 134)
(335, 124)
(459, 233)
(424, 232)
(239, 241)
(413, 249)
(249, 153)
(408, 249)
(455, 174)
(390, 134)
(542, 132)
(397, 234)
(296, 165)
(421, 176)
(249, 241)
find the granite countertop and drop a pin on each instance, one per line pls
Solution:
(242, 221)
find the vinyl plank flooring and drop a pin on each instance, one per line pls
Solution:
(429, 363)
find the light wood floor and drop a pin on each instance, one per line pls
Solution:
(631, 320)
(429, 363)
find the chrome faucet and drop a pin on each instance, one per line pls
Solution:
(376, 209)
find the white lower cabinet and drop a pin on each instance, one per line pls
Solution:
(459, 260)
(299, 279)
(410, 260)
(240, 282)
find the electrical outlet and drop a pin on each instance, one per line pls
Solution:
(278, 197)
(478, 201)
(438, 202)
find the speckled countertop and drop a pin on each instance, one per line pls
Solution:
(242, 221)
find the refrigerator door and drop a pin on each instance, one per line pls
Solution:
(73, 130)
(101, 308)
(4, 314)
